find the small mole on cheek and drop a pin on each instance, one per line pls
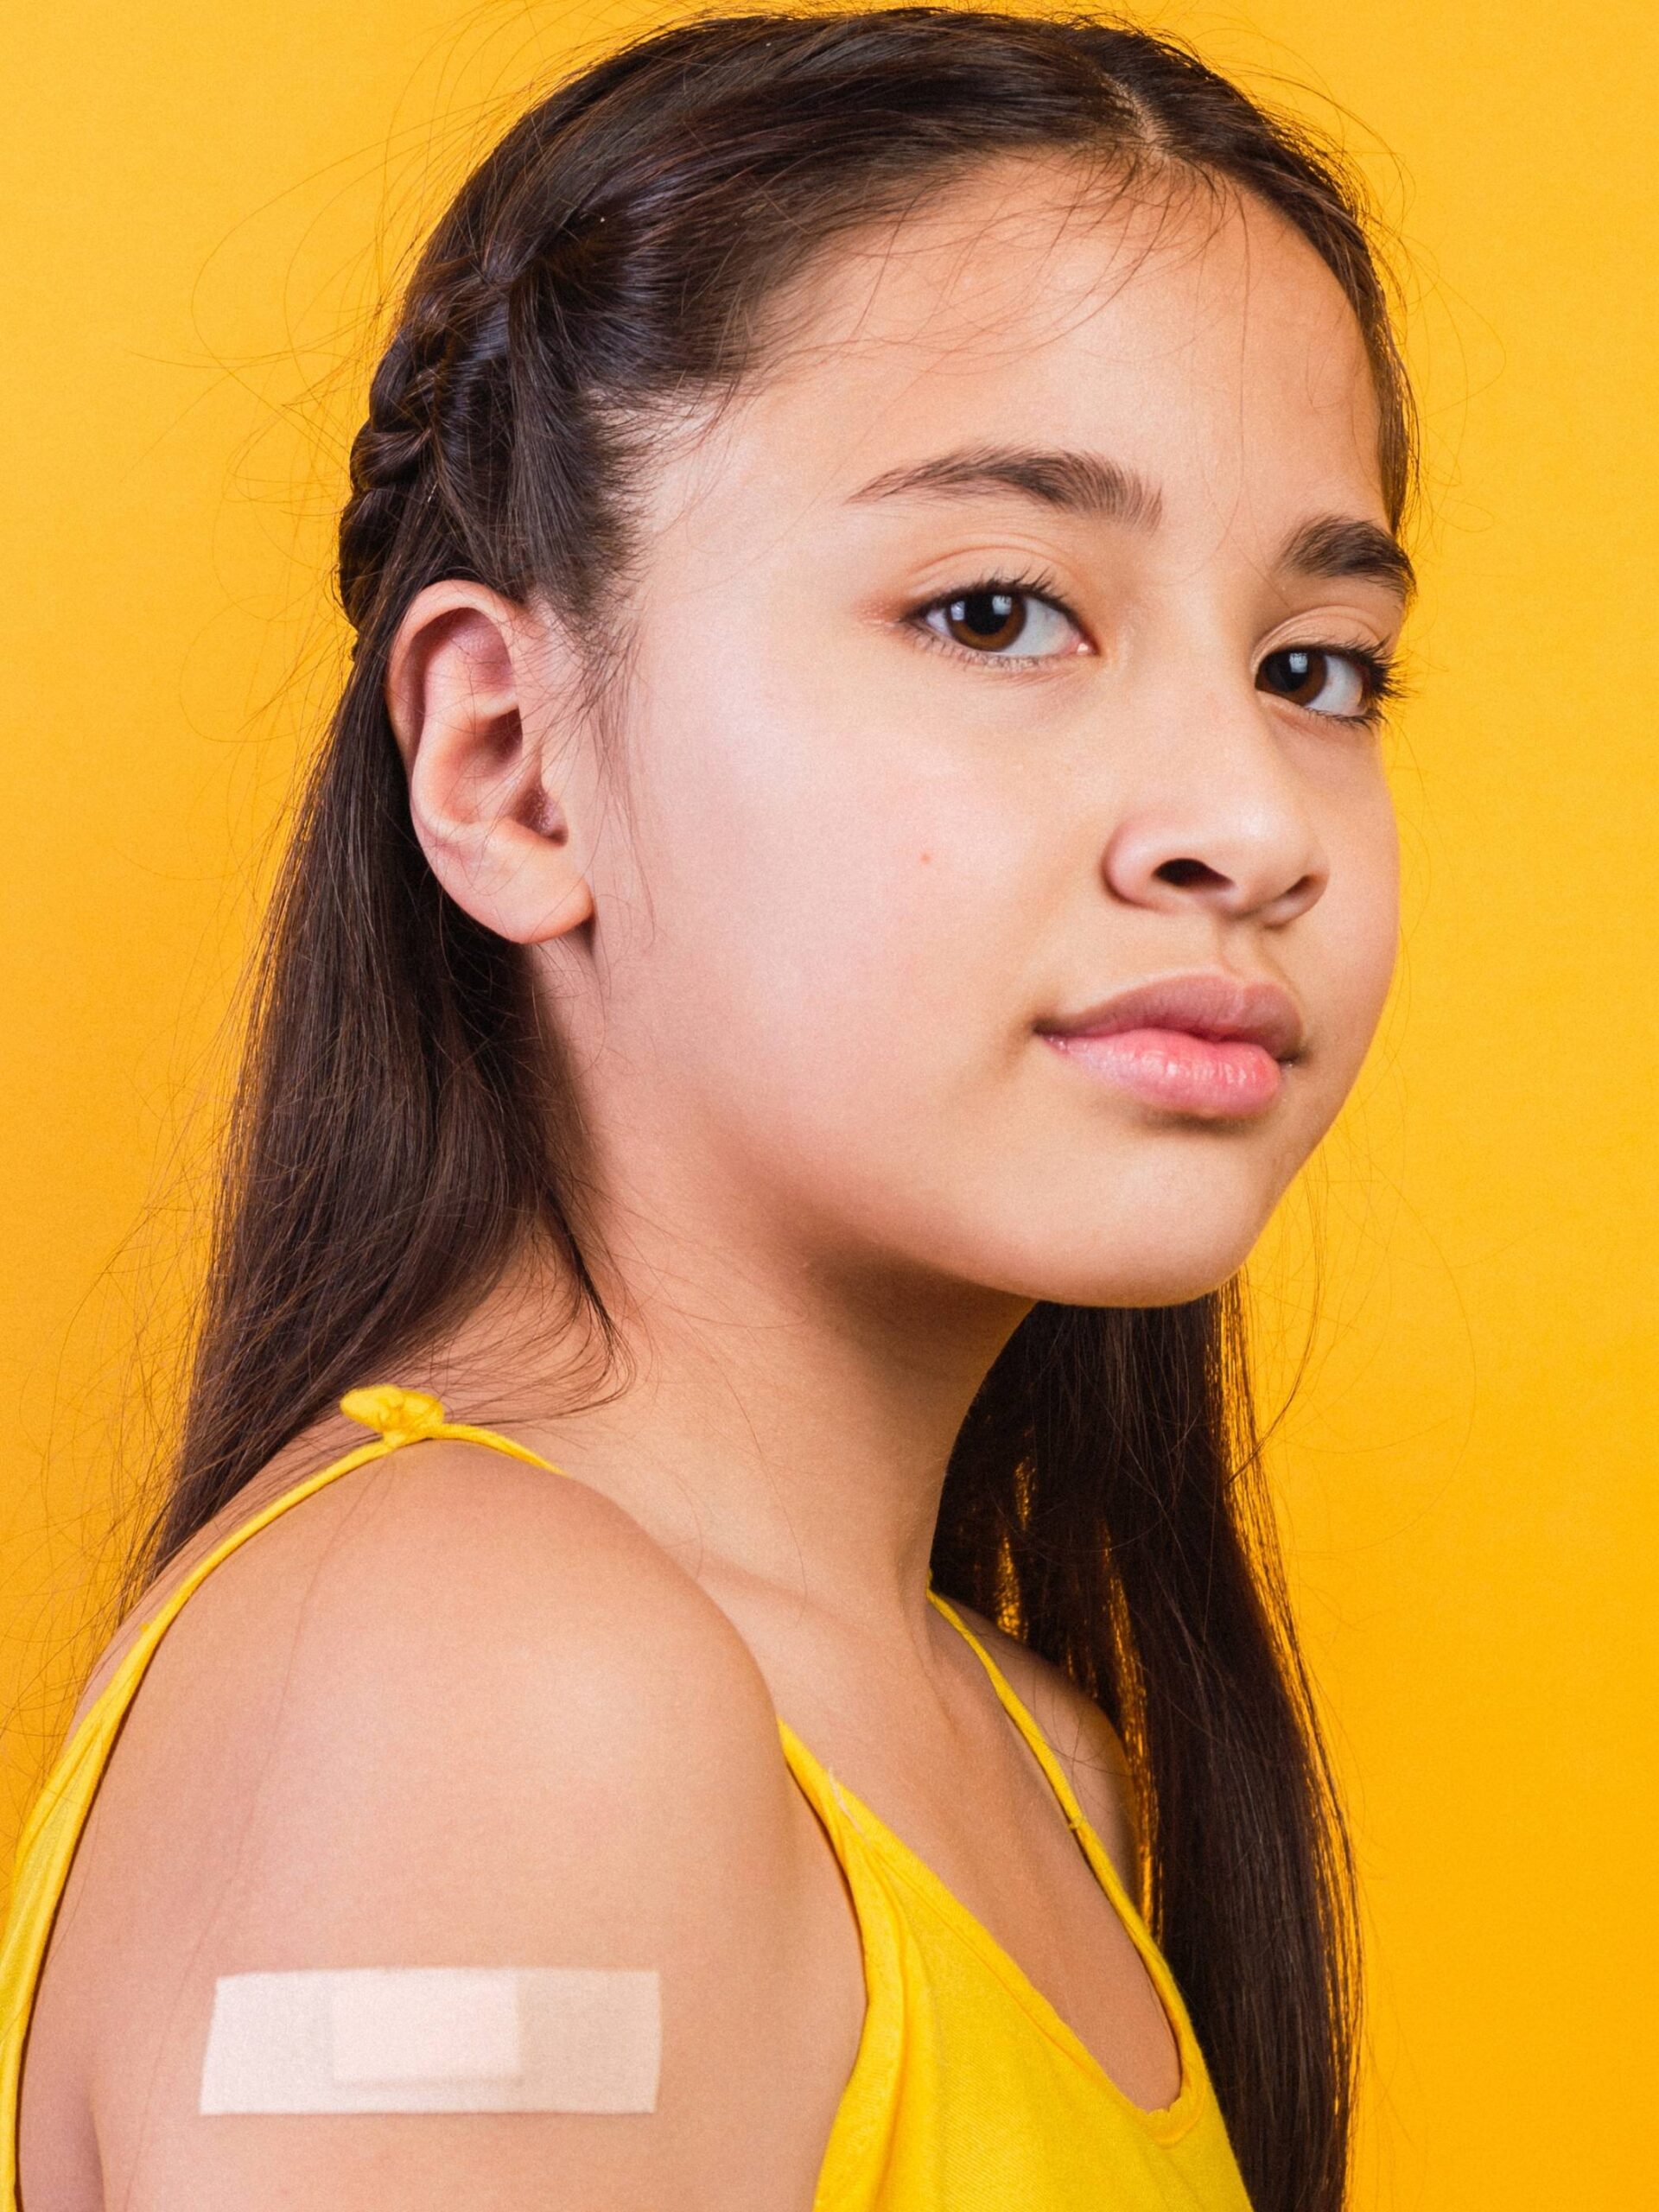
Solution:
(924, 858)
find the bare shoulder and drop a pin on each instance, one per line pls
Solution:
(452, 1709)
(1083, 1738)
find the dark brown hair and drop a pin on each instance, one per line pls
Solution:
(404, 1128)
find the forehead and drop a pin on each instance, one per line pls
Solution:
(1187, 332)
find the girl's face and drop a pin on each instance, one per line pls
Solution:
(1012, 645)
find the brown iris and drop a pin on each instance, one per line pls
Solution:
(987, 618)
(1302, 674)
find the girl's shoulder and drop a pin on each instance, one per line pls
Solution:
(401, 1515)
(396, 1606)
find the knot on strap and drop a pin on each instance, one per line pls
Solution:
(400, 1415)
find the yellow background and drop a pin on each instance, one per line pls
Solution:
(203, 202)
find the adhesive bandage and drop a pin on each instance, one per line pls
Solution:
(435, 2039)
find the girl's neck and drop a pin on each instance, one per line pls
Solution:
(791, 1443)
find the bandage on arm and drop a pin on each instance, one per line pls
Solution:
(417, 2039)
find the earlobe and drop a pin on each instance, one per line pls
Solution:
(465, 693)
(516, 873)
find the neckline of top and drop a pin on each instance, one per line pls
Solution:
(1164, 2122)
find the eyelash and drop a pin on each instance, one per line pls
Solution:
(1032, 584)
(1380, 672)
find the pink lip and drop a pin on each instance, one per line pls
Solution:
(1207, 1043)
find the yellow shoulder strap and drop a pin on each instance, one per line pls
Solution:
(404, 1416)
(400, 1416)
(1059, 1782)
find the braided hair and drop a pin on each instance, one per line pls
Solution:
(428, 466)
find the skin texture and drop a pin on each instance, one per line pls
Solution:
(801, 897)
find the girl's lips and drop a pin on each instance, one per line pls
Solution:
(1220, 1079)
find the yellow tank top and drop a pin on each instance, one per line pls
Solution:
(968, 2092)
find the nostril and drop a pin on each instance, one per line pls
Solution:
(1185, 873)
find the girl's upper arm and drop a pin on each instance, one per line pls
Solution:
(463, 1719)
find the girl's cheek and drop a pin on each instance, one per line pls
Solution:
(1362, 933)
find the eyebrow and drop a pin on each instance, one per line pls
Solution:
(1330, 546)
(1082, 483)
(1336, 546)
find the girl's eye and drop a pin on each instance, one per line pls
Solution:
(1000, 620)
(1348, 683)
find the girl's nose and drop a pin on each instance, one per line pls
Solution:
(1221, 823)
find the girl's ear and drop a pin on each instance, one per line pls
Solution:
(467, 674)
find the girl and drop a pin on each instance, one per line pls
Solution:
(852, 866)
